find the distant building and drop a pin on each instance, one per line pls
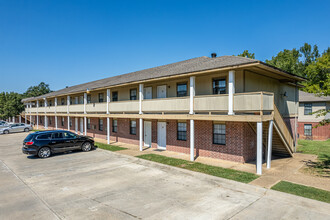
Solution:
(307, 121)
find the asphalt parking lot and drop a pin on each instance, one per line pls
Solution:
(106, 185)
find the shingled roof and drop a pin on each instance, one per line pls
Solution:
(310, 97)
(186, 66)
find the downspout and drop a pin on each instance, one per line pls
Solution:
(295, 118)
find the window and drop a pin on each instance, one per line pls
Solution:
(101, 124)
(114, 125)
(114, 96)
(219, 134)
(40, 120)
(58, 135)
(89, 99)
(101, 97)
(50, 120)
(132, 127)
(133, 94)
(308, 130)
(62, 122)
(70, 122)
(62, 101)
(69, 135)
(181, 89)
(44, 136)
(219, 86)
(50, 103)
(88, 123)
(182, 131)
(308, 108)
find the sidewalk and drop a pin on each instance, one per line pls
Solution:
(281, 169)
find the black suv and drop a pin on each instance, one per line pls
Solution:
(44, 143)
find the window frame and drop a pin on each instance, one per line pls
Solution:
(130, 94)
(216, 89)
(308, 108)
(101, 124)
(114, 98)
(115, 126)
(101, 97)
(181, 135)
(220, 134)
(132, 129)
(311, 130)
(177, 91)
(88, 123)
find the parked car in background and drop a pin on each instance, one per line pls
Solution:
(3, 123)
(45, 143)
(15, 127)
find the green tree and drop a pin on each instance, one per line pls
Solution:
(10, 104)
(38, 90)
(288, 60)
(247, 54)
(308, 54)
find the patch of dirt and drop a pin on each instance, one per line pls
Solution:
(316, 168)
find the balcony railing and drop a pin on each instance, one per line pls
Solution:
(242, 102)
(180, 104)
(124, 106)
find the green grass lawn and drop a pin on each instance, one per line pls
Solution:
(322, 150)
(108, 147)
(236, 175)
(304, 191)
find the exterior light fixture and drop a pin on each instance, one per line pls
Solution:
(87, 91)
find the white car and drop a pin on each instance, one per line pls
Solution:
(15, 127)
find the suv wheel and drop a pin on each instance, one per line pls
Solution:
(6, 132)
(86, 146)
(26, 130)
(44, 152)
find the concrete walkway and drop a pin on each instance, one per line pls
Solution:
(287, 169)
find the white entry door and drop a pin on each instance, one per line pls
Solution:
(161, 91)
(81, 126)
(161, 135)
(147, 133)
(147, 93)
(76, 125)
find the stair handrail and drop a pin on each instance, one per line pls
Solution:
(278, 119)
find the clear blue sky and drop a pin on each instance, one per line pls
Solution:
(65, 43)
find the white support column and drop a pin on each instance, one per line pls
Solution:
(85, 102)
(140, 98)
(141, 133)
(76, 125)
(25, 114)
(85, 125)
(46, 121)
(37, 114)
(68, 123)
(270, 140)
(68, 103)
(140, 112)
(20, 119)
(108, 119)
(30, 114)
(259, 148)
(55, 113)
(192, 140)
(192, 94)
(231, 92)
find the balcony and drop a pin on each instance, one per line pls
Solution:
(178, 104)
(124, 106)
(253, 102)
(95, 107)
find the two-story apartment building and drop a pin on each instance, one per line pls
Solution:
(307, 121)
(228, 107)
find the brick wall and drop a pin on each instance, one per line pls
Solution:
(319, 133)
